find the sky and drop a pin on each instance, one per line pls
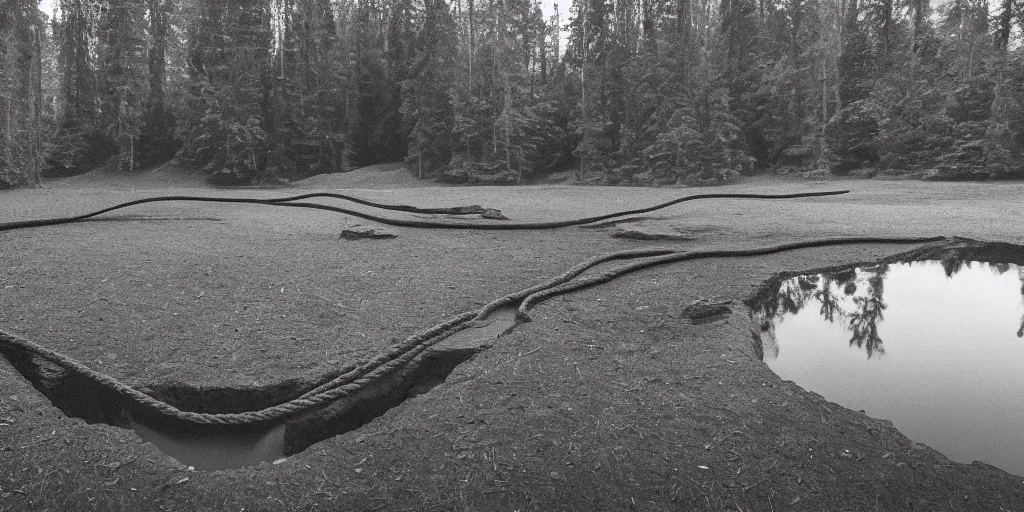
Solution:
(548, 6)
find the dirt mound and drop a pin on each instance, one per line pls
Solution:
(379, 176)
(166, 175)
(169, 175)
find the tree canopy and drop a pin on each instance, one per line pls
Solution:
(621, 91)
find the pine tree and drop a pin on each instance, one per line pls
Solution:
(739, 54)
(427, 109)
(587, 55)
(81, 144)
(157, 142)
(224, 127)
(79, 92)
(313, 94)
(850, 134)
(124, 69)
(21, 94)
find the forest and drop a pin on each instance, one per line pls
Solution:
(645, 92)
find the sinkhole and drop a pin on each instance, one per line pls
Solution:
(936, 346)
(225, 447)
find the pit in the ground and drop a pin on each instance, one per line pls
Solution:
(934, 346)
(223, 447)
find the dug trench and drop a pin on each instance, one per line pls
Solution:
(653, 414)
(212, 447)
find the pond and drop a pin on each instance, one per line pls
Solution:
(935, 347)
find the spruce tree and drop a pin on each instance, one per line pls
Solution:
(850, 134)
(123, 67)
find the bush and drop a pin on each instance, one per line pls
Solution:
(78, 151)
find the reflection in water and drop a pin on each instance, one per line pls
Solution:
(943, 348)
(839, 300)
(1020, 276)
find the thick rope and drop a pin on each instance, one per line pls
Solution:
(411, 223)
(661, 259)
(282, 201)
(401, 354)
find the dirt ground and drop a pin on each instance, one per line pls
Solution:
(611, 399)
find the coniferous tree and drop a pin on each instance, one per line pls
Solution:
(157, 142)
(647, 92)
(224, 125)
(426, 103)
(123, 68)
(851, 133)
(313, 93)
(740, 71)
(22, 32)
(81, 144)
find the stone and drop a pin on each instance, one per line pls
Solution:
(493, 214)
(361, 231)
(704, 311)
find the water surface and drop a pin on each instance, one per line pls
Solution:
(223, 448)
(217, 450)
(934, 347)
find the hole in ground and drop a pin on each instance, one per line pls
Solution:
(212, 447)
(933, 345)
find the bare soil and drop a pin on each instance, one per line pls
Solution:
(611, 399)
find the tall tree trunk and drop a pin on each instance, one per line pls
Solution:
(684, 26)
(796, 107)
(1005, 24)
(37, 103)
(582, 173)
(472, 45)
(919, 10)
(157, 53)
(79, 99)
(542, 48)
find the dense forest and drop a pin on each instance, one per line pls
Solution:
(494, 91)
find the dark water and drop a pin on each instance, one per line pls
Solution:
(934, 347)
(217, 450)
(208, 449)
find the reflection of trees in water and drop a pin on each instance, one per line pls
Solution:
(1020, 275)
(863, 320)
(837, 292)
(829, 300)
(791, 297)
(953, 266)
(840, 302)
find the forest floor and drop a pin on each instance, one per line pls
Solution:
(611, 399)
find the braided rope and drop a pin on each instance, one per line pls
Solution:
(357, 378)
(353, 378)
(411, 223)
(676, 256)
